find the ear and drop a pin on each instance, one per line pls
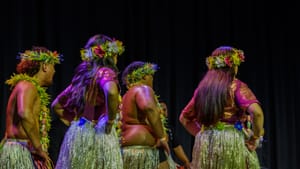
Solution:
(44, 67)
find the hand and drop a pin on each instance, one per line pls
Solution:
(252, 144)
(40, 154)
(44, 157)
(187, 165)
(163, 142)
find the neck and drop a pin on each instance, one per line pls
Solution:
(39, 78)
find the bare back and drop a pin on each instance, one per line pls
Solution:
(23, 107)
(135, 127)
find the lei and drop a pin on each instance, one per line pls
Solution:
(44, 116)
(107, 49)
(229, 60)
(163, 118)
(138, 74)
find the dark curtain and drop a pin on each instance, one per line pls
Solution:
(177, 35)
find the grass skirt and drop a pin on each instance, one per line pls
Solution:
(107, 147)
(15, 155)
(140, 157)
(86, 146)
(215, 149)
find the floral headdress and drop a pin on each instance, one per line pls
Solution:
(138, 74)
(41, 55)
(107, 49)
(225, 60)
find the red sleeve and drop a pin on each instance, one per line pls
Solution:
(244, 97)
(105, 74)
(63, 97)
(189, 111)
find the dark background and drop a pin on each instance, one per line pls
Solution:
(177, 35)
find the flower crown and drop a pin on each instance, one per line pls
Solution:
(45, 56)
(107, 49)
(138, 74)
(225, 60)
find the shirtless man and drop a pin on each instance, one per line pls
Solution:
(142, 129)
(27, 117)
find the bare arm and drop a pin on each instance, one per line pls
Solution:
(190, 124)
(26, 100)
(112, 94)
(180, 154)
(258, 119)
(258, 122)
(146, 102)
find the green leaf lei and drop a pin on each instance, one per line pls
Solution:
(44, 117)
(162, 117)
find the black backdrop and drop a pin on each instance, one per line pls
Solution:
(177, 35)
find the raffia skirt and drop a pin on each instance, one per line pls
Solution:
(140, 157)
(88, 146)
(15, 155)
(222, 149)
(107, 147)
(77, 149)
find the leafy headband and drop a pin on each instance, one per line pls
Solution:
(41, 56)
(138, 74)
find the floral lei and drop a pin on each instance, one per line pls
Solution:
(107, 49)
(138, 74)
(220, 61)
(44, 117)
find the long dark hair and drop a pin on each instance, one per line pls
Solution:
(84, 76)
(213, 90)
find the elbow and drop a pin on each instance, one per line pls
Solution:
(182, 120)
(54, 105)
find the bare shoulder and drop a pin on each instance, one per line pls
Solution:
(143, 89)
(26, 87)
(143, 92)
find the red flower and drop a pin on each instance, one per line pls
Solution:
(99, 52)
(227, 61)
(241, 56)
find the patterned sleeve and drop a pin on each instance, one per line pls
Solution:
(63, 99)
(63, 96)
(189, 111)
(244, 96)
(105, 75)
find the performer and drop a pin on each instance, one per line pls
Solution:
(27, 115)
(142, 129)
(90, 104)
(216, 115)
